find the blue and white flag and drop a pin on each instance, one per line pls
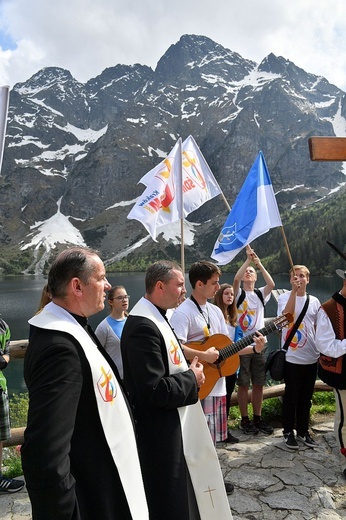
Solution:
(254, 212)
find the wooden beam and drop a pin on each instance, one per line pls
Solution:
(327, 148)
(278, 390)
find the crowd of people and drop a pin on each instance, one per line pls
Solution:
(116, 427)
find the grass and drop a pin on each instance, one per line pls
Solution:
(323, 403)
(12, 463)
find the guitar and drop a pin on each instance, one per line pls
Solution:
(228, 360)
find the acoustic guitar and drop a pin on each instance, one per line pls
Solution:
(228, 360)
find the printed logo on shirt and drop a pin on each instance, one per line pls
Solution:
(175, 353)
(246, 317)
(106, 386)
(299, 339)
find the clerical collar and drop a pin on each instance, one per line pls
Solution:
(82, 320)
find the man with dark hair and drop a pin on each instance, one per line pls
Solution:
(195, 320)
(7, 485)
(181, 471)
(79, 456)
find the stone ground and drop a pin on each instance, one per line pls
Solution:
(271, 482)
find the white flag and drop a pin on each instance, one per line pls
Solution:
(4, 101)
(161, 201)
(199, 184)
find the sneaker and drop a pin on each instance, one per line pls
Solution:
(264, 427)
(231, 439)
(344, 473)
(307, 440)
(291, 441)
(10, 485)
(229, 488)
(248, 427)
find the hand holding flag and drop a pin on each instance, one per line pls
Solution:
(254, 212)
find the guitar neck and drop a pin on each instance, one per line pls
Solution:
(232, 349)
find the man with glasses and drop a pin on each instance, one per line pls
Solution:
(79, 456)
(110, 329)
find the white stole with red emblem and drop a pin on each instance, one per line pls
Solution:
(199, 451)
(112, 408)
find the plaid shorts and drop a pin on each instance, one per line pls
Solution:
(5, 427)
(214, 409)
(252, 370)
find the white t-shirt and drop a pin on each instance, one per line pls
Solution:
(302, 349)
(326, 342)
(250, 313)
(190, 325)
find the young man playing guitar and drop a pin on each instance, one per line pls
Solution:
(195, 320)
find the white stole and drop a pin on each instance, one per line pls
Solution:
(199, 451)
(111, 405)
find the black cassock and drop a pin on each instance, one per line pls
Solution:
(155, 396)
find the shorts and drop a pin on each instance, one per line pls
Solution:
(252, 369)
(214, 409)
(5, 427)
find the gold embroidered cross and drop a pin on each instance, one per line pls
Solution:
(209, 490)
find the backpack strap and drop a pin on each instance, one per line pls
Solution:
(243, 294)
(241, 298)
(260, 296)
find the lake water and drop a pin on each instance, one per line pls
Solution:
(20, 296)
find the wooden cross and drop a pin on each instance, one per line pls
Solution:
(327, 148)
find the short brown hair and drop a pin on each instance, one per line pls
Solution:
(203, 271)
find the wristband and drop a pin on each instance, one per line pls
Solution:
(254, 350)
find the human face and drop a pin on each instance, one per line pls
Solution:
(302, 277)
(173, 291)
(209, 289)
(228, 296)
(250, 274)
(94, 292)
(120, 300)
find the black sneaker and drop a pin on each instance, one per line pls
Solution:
(229, 488)
(231, 439)
(248, 427)
(307, 440)
(10, 485)
(264, 427)
(290, 441)
(344, 473)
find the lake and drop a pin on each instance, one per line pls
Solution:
(20, 296)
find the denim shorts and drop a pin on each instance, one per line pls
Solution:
(252, 370)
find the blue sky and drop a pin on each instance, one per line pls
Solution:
(85, 36)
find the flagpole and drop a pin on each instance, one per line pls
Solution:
(225, 201)
(182, 252)
(286, 245)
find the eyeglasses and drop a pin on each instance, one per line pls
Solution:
(121, 298)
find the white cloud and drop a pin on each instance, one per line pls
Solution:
(85, 36)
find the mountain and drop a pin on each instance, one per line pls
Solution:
(75, 152)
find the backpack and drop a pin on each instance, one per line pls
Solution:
(243, 294)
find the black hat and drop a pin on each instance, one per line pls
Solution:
(340, 253)
(339, 272)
